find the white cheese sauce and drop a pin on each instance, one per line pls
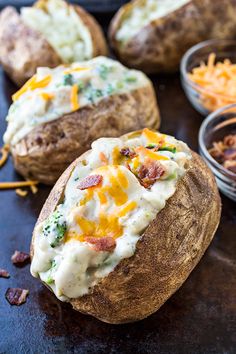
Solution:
(45, 101)
(62, 258)
(143, 13)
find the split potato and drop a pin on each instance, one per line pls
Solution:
(59, 112)
(153, 35)
(167, 222)
(49, 33)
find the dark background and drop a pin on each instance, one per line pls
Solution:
(199, 318)
(98, 6)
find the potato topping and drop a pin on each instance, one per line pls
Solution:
(111, 197)
(216, 81)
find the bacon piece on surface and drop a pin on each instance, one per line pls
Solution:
(106, 244)
(90, 181)
(20, 258)
(4, 273)
(16, 296)
(150, 172)
(128, 153)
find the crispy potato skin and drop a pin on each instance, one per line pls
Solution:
(165, 255)
(48, 150)
(159, 46)
(23, 49)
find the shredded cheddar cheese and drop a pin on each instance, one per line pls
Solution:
(73, 70)
(153, 137)
(47, 96)
(150, 154)
(32, 84)
(74, 98)
(5, 153)
(216, 81)
(14, 185)
(21, 192)
(34, 189)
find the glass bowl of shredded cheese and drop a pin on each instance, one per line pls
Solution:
(208, 75)
(217, 145)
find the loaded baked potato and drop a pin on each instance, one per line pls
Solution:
(58, 113)
(125, 225)
(152, 35)
(50, 33)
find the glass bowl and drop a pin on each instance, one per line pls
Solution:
(223, 49)
(214, 128)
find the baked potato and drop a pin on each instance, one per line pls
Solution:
(58, 113)
(152, 35)
(50, 33)
(125, 225)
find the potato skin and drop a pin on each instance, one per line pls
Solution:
(22, 49)
(159, 46)
(47, 150)
(167, 252)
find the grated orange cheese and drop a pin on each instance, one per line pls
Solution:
(47, 96)
(5, 153)
(73, 70)
(14, 185)
(21, 192)
(150, 154)
(74, 98)
(32, 84)
(217, 82)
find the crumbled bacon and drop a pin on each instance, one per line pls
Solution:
(20, 258)
(16, 296)
(106, 244)
(224, 152)
(4, 273)
(128, 153)
(90, 181)
(150, 172)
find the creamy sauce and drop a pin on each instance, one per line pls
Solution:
(143, 13)
(60, 24)
(52, 93)
(120, 208)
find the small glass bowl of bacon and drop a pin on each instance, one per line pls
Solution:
(217, 144)
(208, 75)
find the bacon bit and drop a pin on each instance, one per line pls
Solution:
(16, 296)
(5, 153)
(103, 158)
(224, 152)
(90, 181)
(149, 173)
(21, 192)
(128, 153)
(106, 244)
(14, 185)
(4, 273)
(20, 258)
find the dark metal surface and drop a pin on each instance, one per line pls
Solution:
(199, 318)
(95, 6)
